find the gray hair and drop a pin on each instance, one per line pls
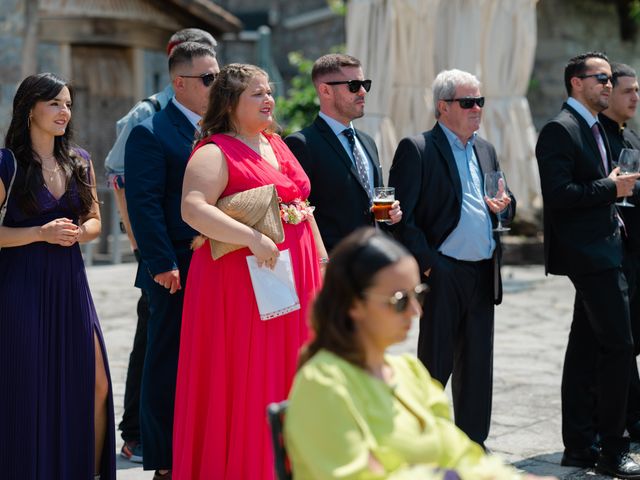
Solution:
(446, 83)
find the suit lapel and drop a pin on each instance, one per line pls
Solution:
(181, 122)
(591, 140)
(484, 160)
(332, 140)
(442, 144)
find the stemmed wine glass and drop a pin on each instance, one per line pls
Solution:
(495, 186)
(629, 162)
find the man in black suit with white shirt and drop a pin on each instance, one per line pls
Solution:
(341, 162)
(623, 103)
(582, 238)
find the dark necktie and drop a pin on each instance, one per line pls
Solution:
(603, 154)
(361, 162)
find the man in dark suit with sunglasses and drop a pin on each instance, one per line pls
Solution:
(156, 157)
(114, 166)
(341, 162)
(583, 240)
(447, 225)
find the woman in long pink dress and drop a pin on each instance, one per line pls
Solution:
(233, 364)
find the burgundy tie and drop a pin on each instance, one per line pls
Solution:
(603, 154)
(595, 128)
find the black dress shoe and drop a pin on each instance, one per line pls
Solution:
(619, 465)
(634, 431)
(582, 458)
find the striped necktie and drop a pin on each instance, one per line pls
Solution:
(361, 162)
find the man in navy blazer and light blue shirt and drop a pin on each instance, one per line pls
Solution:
(447, 225)
(156, 156)
(341, 162)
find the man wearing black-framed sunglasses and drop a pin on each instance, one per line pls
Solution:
(207, 78)
(439, 177)
(341, 161)
(583, 239)
(156, 155)
(132, 448)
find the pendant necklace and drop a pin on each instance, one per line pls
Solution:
(52, 171)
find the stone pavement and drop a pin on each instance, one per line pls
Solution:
(531, 331)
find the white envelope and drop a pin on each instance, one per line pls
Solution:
(275, 290)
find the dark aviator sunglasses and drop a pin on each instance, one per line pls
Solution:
(468, 102)
(207, 78)
(353, 85)
(400, 300)
(602, 78)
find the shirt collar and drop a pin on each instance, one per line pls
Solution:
(334, 125)
(582, 110)
(453, 138)
(193, 117)
(609, 124)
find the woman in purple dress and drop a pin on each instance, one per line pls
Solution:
(56, 411)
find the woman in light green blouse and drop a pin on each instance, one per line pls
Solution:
(357, 413)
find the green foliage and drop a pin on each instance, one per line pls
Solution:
(300, 106)
(339, 7)
(634, 10)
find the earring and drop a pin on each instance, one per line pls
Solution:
(29, 122)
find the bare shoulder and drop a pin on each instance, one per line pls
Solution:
(208, 155)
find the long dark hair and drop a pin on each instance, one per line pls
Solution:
(354, 264)
(232, 80)
(41, 88)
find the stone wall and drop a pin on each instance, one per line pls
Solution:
(307, 26)
(11, 31)
(567, 28)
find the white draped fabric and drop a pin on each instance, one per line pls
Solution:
(404, 43)
(509, 44)
(386, 36)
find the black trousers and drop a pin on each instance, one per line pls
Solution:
(157, 396)
(631, 269)
(130, 424)
(598, 361)
(456, 339)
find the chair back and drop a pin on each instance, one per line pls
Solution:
(275, 416)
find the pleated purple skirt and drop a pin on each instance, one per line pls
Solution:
(47, 367)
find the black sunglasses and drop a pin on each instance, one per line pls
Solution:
(354, 85)
(400, 300)
(207, 78)
(602, 78)
(468, 102)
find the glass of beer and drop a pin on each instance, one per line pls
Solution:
(383, 198)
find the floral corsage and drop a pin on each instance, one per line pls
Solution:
(296, 212)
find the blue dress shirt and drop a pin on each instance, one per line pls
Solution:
(472, 239)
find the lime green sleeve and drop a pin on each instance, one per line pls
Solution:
(460, 453)
(326, 437)
(323, 438)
